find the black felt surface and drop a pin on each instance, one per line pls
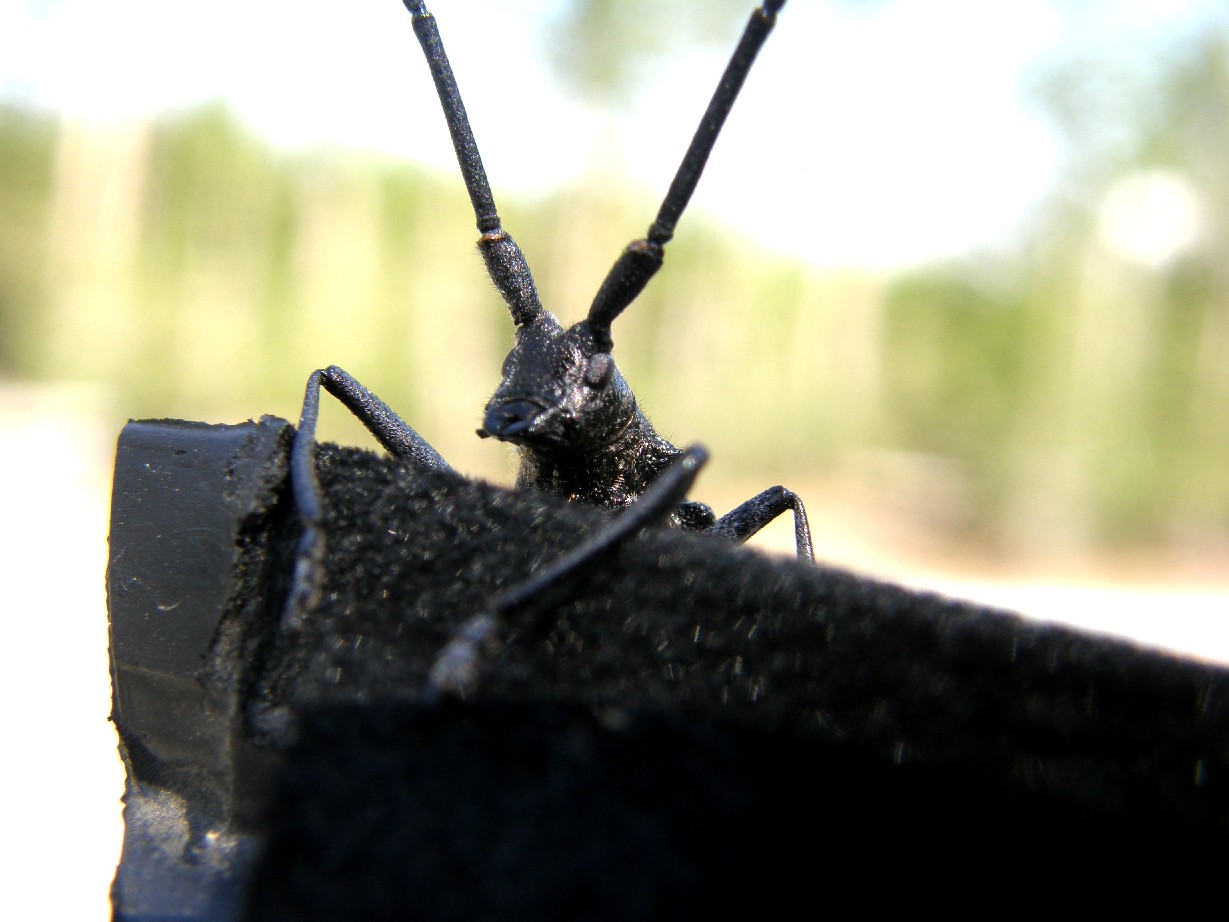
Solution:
(687, 725)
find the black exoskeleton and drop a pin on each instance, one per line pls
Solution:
(562, 400)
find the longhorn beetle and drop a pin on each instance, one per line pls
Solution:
(562, 401)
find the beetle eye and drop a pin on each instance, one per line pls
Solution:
(598, 370)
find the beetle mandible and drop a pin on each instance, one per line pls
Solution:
(562, 401)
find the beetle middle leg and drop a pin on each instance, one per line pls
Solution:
(742, 522)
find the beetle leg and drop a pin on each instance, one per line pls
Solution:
(456, 667)
(741, 523)
(389, 429)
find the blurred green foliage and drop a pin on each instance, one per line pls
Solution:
(27, 142)
(1056, 388)
(606, 48)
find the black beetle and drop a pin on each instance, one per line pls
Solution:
(562, 400)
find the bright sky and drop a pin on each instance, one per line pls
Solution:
(875, 133)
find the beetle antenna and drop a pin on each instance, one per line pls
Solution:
(505, 263)
(642, 258)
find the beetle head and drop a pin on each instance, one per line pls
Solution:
(560, 389)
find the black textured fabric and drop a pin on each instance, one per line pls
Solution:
(686, 726)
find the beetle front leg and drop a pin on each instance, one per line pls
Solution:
(456, 668)
(741, 523)
(388, 428)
